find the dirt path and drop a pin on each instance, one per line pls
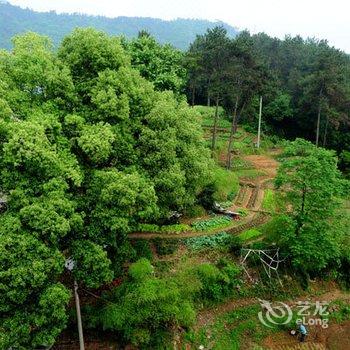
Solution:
(335, 337)
(250, 197)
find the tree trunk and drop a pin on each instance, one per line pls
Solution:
(238, 116)
(208, 93)
(325, 133)
(213, 142)
(318, 119)
(232, 132)
(193, 95)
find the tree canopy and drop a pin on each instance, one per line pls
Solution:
(89, 149)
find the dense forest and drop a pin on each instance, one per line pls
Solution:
(117, 153)
(305, 84)
(180, 32)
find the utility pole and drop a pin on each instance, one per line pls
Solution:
(259, 125)
(80, 325)
(318, 124)
(69, 264)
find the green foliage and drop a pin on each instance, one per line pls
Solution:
(165, 246)
(143, 249)
(160, 64)
(249, 234)
(176, 228)
(88, 151)
(32, 304)
(141, 270)
(279, 108)
(96, 142)
(144, 306)
(207, 116)
(148, 228)
(91, 264)
(226, 183)
(218, 282)
(269, 201)
(310, 182)
(217, 241)
(216, 222)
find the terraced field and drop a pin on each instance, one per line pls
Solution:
(249, 197)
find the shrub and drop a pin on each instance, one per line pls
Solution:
(234, 245)
(177, 228)
(196, 211)
(165, 246)
(141, 270)
(144, 308)
(217, 281)
(143, 249)
(207, 114)
(148, 228)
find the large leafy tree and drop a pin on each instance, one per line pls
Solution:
(160, 64)
(88, 150)
(310, 185)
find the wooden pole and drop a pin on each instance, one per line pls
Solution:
(80, 325)
(259, 125)
(318, 124)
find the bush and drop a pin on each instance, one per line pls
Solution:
(196, 211)
(144, 308)
(177, 228)
(148, 228)
(234, 245)
(217, 281)
(91, 264)
(141, 270)
(143, 249)
(165, 246)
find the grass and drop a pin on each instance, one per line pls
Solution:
(226, 184)
(269, 201)
(249, 234)
(231, 330)
(207, 115)
(249, 173)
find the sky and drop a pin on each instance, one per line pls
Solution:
(310, 18)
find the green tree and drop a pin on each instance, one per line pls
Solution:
(310, 184)
(88, 151)
(160, 64)
(144, 307)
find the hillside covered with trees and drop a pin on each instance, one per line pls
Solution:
(137, 166)
(180, 32)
